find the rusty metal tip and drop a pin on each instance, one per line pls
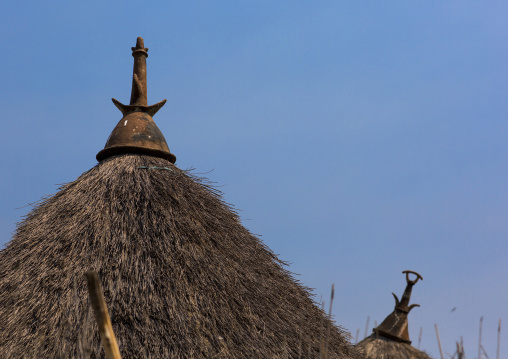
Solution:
(140, 43)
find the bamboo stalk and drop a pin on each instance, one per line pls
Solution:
(439, 342)
(101, 315)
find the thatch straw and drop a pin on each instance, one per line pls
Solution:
(182, 277)
(379, 347)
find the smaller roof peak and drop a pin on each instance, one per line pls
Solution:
(395, 325)
(137, 132)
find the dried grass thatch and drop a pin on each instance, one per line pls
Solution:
(379, 347)
(182, 277)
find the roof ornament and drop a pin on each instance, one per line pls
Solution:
(395, 326)
(137, 132)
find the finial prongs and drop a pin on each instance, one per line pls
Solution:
(396, 299)
(412, 306)
(418, 276)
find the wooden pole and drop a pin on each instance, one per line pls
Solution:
(101, 315)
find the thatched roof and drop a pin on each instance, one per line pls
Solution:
(182, 277)
(379, 347)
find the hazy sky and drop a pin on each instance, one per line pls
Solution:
(358, 138)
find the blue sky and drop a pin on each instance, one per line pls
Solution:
(358, 138)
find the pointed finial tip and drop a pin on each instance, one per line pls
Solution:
(140, 47)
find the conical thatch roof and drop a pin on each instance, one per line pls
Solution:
(379, 347)
(390, 339)
(181, 276)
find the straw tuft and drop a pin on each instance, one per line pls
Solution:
(378, 347)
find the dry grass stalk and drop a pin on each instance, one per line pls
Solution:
(484, 352)
(460, 349)
(439, 341)
(321, 336)
(366, 327)
(498, 338)
(480, 339)
(102, 317)
(329, 324)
